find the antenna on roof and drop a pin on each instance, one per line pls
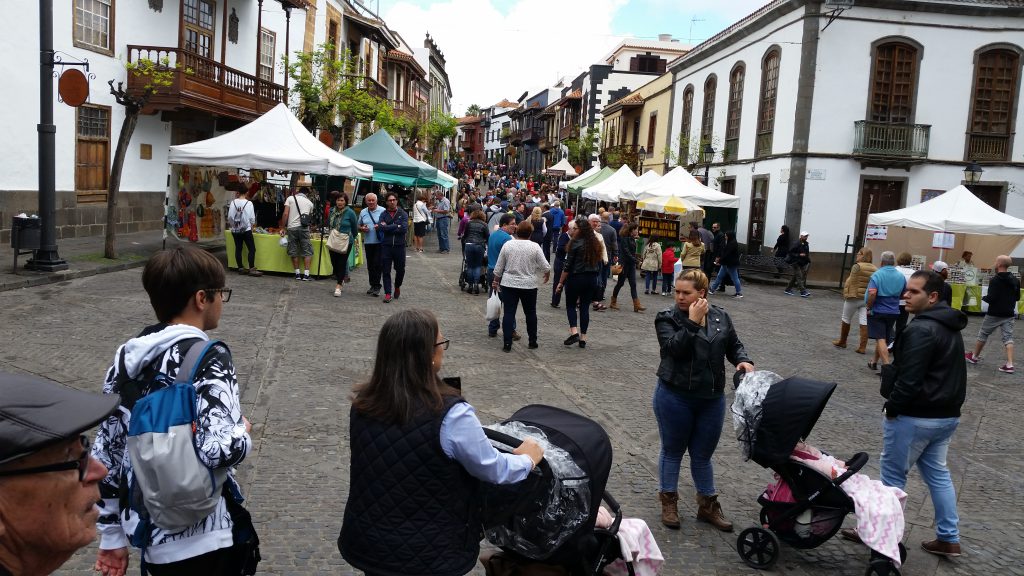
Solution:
(692, 20)
(838, 7)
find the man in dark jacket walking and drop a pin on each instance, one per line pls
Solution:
(925, 387)
(799, 261)
(1003, 294)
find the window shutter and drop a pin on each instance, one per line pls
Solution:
(633, 64)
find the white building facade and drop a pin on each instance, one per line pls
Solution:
(814, 127)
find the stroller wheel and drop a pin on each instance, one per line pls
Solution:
(758, 547)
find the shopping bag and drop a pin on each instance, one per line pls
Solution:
(493, 306)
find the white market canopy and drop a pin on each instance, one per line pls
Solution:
(645, 180)
(608, 190)
(593, 170)
(976, 226)
(563, 166)
(678, 182)
(275, 141)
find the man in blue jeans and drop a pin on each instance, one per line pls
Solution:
(925, 387)
(497, 239)
(442, 221)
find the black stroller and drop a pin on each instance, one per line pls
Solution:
(768, 434)
(465, 282)
(550, 517)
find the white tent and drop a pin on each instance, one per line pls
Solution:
(593, 170)
(679, 182)
(976, 227)
(608, 190)
(564, 166)
(274, 141)
(645, 180)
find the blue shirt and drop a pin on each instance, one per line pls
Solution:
(463, 440)
(889, 284)
(557, 218)
(494, 244)
(371, 223)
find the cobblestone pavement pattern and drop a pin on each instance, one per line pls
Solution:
(298, 352)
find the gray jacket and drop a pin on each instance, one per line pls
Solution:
(611, 240)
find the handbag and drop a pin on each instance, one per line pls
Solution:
(616, 269)
(338, 241)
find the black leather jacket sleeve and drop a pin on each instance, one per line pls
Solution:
(915, 353)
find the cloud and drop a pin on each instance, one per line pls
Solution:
(494, 53)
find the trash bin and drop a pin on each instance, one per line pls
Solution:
(25, 233)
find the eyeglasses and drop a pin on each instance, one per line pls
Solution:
(225, 293)
(81, 464)
(443, 344)
(392, 199)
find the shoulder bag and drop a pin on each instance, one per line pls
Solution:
(338, 241)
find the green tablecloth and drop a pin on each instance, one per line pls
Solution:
(272, 257)
(968, 298)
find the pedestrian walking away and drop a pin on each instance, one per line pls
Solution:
(611, 245)
(729, 263)
(903, 261)
(627, 259)
(241, 219)
(695, 339)
(854, 306)
(668, 263)
(442, 221)
(925, 388)
(420, 219)
(506, 228)
(882, 299)
(369, 218)
(475, 238)
(579, 279)
(516, 275)
(1002, 297)
(296, 218)
(651, 266)
(393, 226)
(343, 219)
(799, 262)
(781, 248)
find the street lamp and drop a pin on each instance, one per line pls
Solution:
(709, 155)
(641, 155)
(973, 172)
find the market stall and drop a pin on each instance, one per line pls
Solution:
(646, 180)
(609, 189)
(561, 169)
(564, 185)
(276, 141)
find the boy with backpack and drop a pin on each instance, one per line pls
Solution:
(241, 219)
(171, 445)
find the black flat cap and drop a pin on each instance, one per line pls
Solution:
(36, 412)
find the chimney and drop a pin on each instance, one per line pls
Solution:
(665, 38)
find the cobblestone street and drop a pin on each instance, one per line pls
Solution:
(298, 352)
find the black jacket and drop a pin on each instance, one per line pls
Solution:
(730, 253)
(1003, 294)
(575, 259)
(627, 251)
(476, 232)
(801, 247)
(930, 370)
(693, 356)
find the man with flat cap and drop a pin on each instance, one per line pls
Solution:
(49, 484)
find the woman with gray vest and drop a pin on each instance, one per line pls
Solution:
(418, 454)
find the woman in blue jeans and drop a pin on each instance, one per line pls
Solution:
(689, 400)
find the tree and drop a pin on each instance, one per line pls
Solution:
(473, 110)
(581, 148)
(157, 75)
(440, 128)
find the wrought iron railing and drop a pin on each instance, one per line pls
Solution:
(887, 140)
(988, 147)
(570, 131)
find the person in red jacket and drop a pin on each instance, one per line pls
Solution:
(668, 262)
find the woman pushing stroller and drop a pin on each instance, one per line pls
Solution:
(689, 400)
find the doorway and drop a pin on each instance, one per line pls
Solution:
(876, 196)
(990, 194)
(758, 205)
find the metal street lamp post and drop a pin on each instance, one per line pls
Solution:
(641, 155)
(709, 155)
(973, 172)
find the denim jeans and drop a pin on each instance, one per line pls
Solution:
(687, 424)
(925, 442)
(474, 260)
(392, 255)
(666, 282)
(442, 224)
(730, 271)
(628, 274)
(651, 281)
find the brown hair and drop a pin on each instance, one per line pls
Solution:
(627, 230)
(866, 254)
(904, 258)
(403, 380)
(591, 245)
(478, 215)
(524, 230)
(694, 237)
(697, 277)
(172, 277)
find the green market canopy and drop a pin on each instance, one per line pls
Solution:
(577, 186)
(391, 165)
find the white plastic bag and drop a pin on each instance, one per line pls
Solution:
(493, 307)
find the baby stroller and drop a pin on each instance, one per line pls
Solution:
(771, 418)
(465, 282)
(550, 517)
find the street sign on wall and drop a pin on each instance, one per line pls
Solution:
(659, 228)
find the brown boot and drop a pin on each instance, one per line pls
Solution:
(710, 511)
(614, 305)
(844, 332)
(637, 307)
(863, 340)
(669, 509)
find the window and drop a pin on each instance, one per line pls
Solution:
(92, 153)
(332, 38)
(268, 43)
(652, 128)
(200, 19)
(994, 101)
(94, 24)
(684, 142)
(732, 123)
(766, 105)
(707, 125)
(647, 63)
(893, 83)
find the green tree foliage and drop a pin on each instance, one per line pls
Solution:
(440, 129)
(473, 110)
(582, 148)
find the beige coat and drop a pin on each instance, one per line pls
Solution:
(857, 282)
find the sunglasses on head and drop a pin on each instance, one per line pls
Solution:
(81, 464)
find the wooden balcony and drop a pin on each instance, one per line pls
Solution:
(203, 84)
(566, 132)
(404, 109)
(544, 143)
(375, 88)
(988, 147)
(531, 135)
(516, 137)
(885, 141)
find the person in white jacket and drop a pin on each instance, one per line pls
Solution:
(186, 288)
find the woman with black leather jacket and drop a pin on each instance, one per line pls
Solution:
(689, 400)
(627, 258)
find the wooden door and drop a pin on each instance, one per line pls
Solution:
(991, 195)
(758, 205)
(877, 196)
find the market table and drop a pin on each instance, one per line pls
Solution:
(969, 298)
(272, 257)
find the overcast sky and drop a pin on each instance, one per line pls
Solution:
(499, 49)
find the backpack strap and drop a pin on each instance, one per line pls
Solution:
(190, 364)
